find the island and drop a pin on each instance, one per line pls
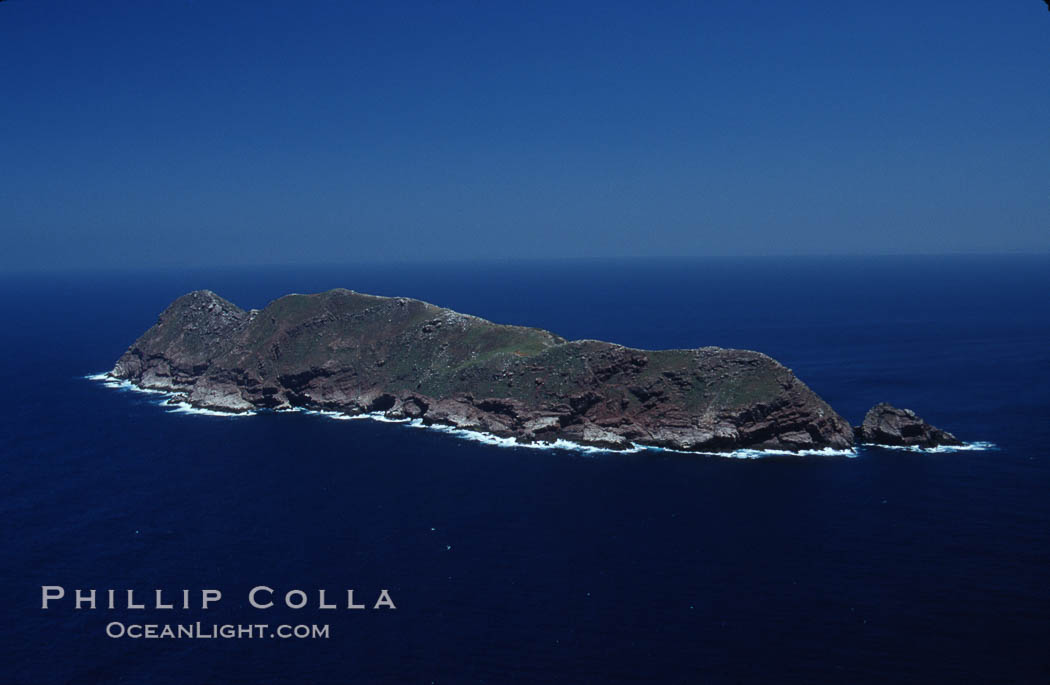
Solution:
(354, 353)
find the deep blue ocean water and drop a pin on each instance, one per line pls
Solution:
(531, 566)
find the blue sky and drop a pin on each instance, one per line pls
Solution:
(207, 133)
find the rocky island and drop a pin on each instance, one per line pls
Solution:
(885, 424)
(354, 353)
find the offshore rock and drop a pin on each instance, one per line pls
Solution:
(885, 424)
(354, 353)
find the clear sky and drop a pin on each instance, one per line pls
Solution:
(198, 132)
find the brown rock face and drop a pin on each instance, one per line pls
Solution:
(885, 424)
(354, 353)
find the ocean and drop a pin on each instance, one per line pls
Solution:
(513, 565)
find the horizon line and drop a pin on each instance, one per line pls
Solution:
(494, 261)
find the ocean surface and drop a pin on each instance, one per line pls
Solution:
(512, 565)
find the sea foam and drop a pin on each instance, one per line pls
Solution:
(187, 408)
(942, 449)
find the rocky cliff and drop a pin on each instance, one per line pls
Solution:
(346, 351)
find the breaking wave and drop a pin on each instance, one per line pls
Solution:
(747, 453)
(187, 408)
(942, 449)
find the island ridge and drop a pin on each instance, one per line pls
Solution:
(349, 352)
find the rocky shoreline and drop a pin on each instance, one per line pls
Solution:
(404, 359)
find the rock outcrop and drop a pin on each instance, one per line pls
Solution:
(345, 351)
(885, 424)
